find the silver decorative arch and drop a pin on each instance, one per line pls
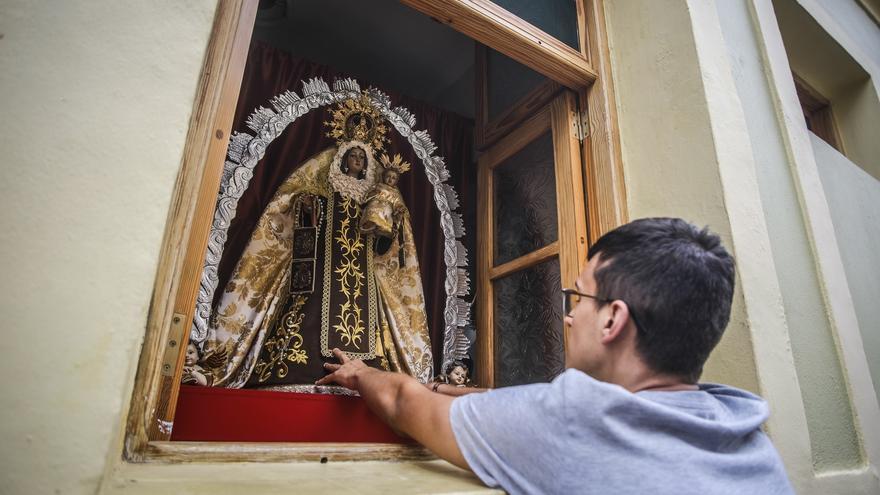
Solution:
(246, 150)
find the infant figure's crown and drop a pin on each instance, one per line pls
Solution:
(397, 164)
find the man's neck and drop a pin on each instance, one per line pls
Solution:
(635, 376)
(666, 386)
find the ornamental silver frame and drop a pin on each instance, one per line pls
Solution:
(246, 150)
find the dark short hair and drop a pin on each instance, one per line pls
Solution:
(677, 280)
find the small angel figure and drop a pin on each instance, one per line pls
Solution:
(456, 374)
(384, 204)
(193, 374)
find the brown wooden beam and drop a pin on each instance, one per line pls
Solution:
(176, 452)
(495, 27)
(528, 105)
(195, 193)
(525, 261)
(603, 165)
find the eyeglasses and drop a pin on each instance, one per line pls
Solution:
(569, 302)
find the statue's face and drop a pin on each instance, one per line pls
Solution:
(356, 162)
(192, 356)
(391, 177)
(458, 375)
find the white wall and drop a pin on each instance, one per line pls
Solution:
(711, 130)
(668, 151)
(854, 201)
(96, 99)
(833, 438)
(835, 50)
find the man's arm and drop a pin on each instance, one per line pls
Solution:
(453, 390)
(402, 402)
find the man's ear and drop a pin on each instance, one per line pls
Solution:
(616, 319)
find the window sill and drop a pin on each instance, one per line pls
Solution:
(340, 478)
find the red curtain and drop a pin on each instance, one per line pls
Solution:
(269, 72)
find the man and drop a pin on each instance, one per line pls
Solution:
(627, 415)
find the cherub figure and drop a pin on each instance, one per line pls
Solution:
(456, 374)
(384, 204)
(193, 374)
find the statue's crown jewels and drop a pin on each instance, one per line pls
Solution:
(356, 119)
(396, 163)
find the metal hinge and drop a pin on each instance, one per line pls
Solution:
(580, 125)
(172, 345)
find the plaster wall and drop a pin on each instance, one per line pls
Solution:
(848, 23)
(96, 100)
(670, 161)
(854, 200)
(687, 151)
(835, 49)
(833, 439)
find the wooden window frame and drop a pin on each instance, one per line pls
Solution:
(818, 113)
(195, 192)
(495, 27)
(488, 132)
(557, 116)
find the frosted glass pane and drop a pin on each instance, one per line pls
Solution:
(528, 326)
(525, 201)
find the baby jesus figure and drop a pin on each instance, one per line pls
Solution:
(456, 374)
(384, 204)
(193, 373)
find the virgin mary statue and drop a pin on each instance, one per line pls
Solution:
(310, 279)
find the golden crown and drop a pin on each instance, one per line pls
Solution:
(356, 119)
(396, 163)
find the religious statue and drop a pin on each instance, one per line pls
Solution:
(314, 275)
(456, 374)
(385, 206)
(193, 373)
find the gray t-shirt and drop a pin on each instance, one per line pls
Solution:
(580, 435)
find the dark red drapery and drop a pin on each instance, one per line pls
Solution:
(270, 72)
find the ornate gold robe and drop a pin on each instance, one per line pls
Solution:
(363, 302)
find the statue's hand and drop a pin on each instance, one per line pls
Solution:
(346, 373)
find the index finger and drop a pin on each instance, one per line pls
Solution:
(341, 356)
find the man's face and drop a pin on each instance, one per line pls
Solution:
(357, 160)
(584, 351)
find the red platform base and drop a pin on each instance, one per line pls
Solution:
(228, 415)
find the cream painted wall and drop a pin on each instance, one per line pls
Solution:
(668, 152)
(688, 151)
(854, 200)
(96, 99)
(839, 58)
(833, 438)
(848, 23)
(711, 130)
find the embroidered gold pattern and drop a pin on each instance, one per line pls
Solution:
(284, 345)
(350, 276)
